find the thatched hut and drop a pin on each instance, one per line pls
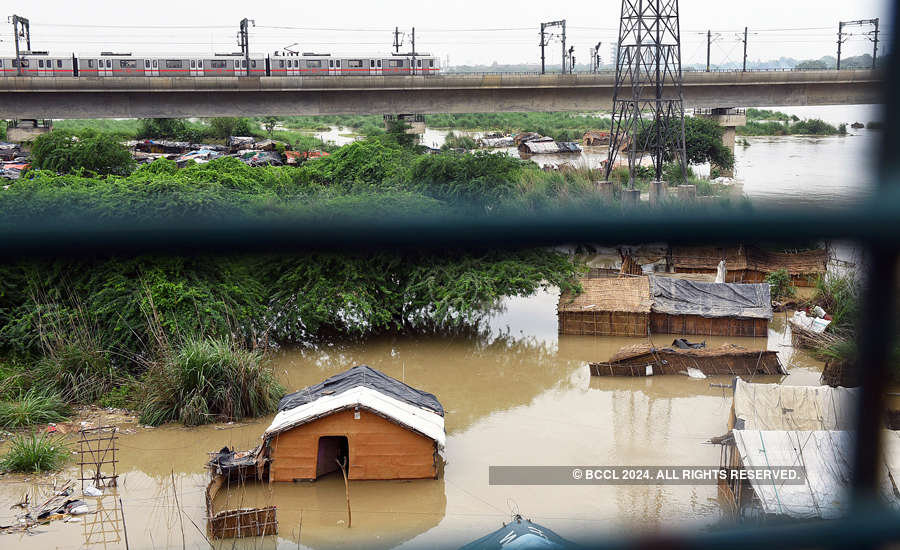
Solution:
(595, 138)
(646, 360)
(751, 264)
(682, 306)
(381, 427)
(607, 307)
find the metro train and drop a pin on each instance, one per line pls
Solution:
(307, 64)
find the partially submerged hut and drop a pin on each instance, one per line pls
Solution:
(781, 407)
(751, 264)
(381, 427)
(607, 307)
(595, 138)
(646, 360)
(774, 424)
(681, 306)
(826, 457)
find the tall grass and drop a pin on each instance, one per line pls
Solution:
(838, 295)
(35, 452)
(207, 380)
(33, 407)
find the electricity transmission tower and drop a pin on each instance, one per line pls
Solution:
(648, 101)
(21, 29)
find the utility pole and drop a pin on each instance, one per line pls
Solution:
(875, 47)
(708, 47)
(745, 50)
(244, 40)
(413, 51)
(545, 40)
(595, 58)
(571, 59)
(397, 41)
(21, 28)
(857, 23)
(564, 46)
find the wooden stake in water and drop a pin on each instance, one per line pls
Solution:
(343, 466)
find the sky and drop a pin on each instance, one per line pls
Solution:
(465, 32)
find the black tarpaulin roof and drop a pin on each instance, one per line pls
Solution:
(362, 375)
(683, 297)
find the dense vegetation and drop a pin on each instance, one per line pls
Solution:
(764, 122)
(34, 453)
(88, 151)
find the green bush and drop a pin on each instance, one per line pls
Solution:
(838, 295)
(32, 407)
(205, 381)
(66, 152)
(34, 453)
(781, 284)
(224, 127)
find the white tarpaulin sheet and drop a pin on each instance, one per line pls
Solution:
(812, 324)
(416, 418)
(826, 456)
(781, 407)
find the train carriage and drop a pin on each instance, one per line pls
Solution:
(109, 64)
(37, 65)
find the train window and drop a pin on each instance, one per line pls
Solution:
(146, 63)
(281, 63)
(41, 63)
(217, 64)
(173, 63)
(127, 64)
(200, 64)
(59, 63)
(354, 63)
(395, 63)
(379, 63)
(90, 63)
(108, 64)
(431, 62)
(193, 64)
(313, 62)
(253, 63)
(418, 62)
(372, 63)
(339, 63)
(155, 63)
(331, 62)
(1, 62)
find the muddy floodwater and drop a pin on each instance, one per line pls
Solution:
(519, 394)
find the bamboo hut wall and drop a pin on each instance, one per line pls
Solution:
(696, 325)
(727, 360)
(604, 323)
(378, 449)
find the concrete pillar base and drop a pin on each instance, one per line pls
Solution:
(631, 197)
(605, 189)
(687, 192)
(657, 192)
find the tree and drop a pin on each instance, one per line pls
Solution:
(269, 124)
(223, 127)
(703, 142)
(812, 64)
(66, 152)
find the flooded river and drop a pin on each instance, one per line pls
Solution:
(519, 394)
(826, 171)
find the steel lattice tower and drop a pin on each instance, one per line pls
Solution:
(648, 101)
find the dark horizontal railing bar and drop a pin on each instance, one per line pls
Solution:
(860, 530)
(876, 223)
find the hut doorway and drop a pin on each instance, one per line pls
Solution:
(332, 449)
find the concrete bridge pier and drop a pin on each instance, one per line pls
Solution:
(729, 118)
(657, 192)
(416, 122)
(631, 197)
